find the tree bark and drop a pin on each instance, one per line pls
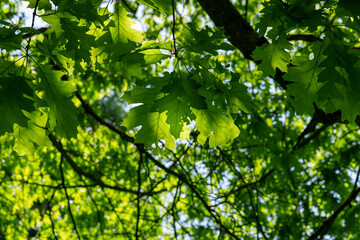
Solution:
(240, 33)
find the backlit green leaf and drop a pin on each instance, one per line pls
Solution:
(122, 27)
(58, 95)
(273, 56)
(219, 128)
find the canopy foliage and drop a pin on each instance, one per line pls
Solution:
(218, 120)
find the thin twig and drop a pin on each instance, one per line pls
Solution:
(49, 214)
(67, 197)
(259, 226)
(138, 198)
(173, 28)
(324, 228)
(97, 209)
(90, 176)
(149, 156)
(32, 25)
(173, 206)
(303, 141)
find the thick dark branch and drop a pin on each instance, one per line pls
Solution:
(241, 34)
(303, 37)
(245, 38)
(319, 117)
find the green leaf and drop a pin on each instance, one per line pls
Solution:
(164, 6)
(54, 21)
(121, 29)
(205, 40)
(86, 9)
(153, 126)
(58, 95)
(219, 128)
(351, 5)
(27, 139)
(340, 78)
(304, 77)
(15, 98)
(177, 104)
(156, 45)
(78, 40)
(177, 112)
(273, 56)
(41, 4)
(238, 96)
(9, 39)
(350, 105)
(153, 56)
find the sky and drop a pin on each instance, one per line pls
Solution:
(39, 23)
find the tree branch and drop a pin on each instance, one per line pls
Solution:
(49, 212)
(138, 198)
(67, 197)
(303, 37)
(241, 34)
(149, 156)
(81, 172)
(32, 24)
(247, 186)
(90, 111)
(133, 11)
(324, 228)
(40, 30)
(328, 223)
(173, 27)
(224, 14)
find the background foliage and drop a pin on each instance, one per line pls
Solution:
(219, 120)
